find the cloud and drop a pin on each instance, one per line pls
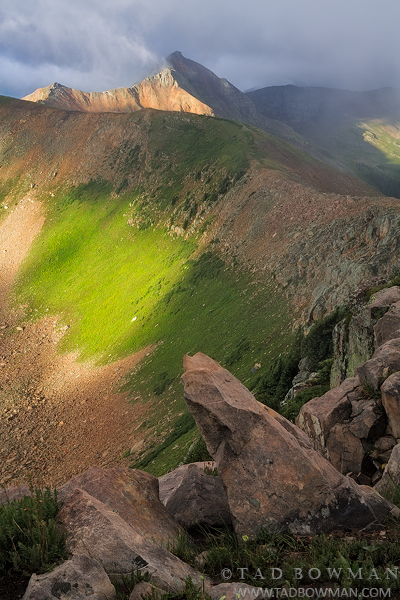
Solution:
(97, 44)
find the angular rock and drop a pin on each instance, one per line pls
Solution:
(168, 483)
(272, 475)
(318, 416)
(390, 391)
(95, 529)
(382, 300)
(133, 495)
(344, 450)
(199, 499)
(370, 422)
(385, 443)
(386, 357)
(388, 326)
(79, 577)
(391, 474)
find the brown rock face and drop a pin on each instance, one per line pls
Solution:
(197, 498)
(164, 91)
(133, 495)
(272, 475)
(95, 529)
(79, 577)
(386, 357)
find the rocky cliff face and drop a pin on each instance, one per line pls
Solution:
(161, 91)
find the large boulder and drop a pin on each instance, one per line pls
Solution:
(385, 359)
(133, 495)
(318, 416)
(79, 577)
(272, 475)
(99, 531)
(340, 422)
(198, 498)
(388, 326)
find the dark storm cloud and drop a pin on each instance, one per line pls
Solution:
(98, 44)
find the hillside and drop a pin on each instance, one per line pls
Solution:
(183, 85)
(356, 130)
(164, 233)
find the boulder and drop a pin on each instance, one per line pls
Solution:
(318, 416)
(168, 483)
(344, 450)
(198, 500)
(97, 530)
(340, 422)
(390, 391)
(388, 326)
(272, 475)
(385, 358)
(368, 419)
(381, 301)
(133, 495)
(391, 474)
(79, 577)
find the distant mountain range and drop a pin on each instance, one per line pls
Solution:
(357, 132)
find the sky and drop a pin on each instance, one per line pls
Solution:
(97, 45)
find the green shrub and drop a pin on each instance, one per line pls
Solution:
(317, 345)
(294, 405)
(30, 539)
(198, 452)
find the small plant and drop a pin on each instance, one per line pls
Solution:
(30, 539)
(125, 583)
(197, 452)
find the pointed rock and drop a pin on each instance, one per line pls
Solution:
(272, 476)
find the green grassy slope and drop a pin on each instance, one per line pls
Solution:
(122, 279)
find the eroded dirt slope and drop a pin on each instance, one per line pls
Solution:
(57, 416)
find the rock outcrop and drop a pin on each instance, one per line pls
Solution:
(194, 497)
(357, 424)
(345, 426)
(133, 495)
(371, 326)
(272, 475)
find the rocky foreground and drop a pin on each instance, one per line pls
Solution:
(270, 475)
